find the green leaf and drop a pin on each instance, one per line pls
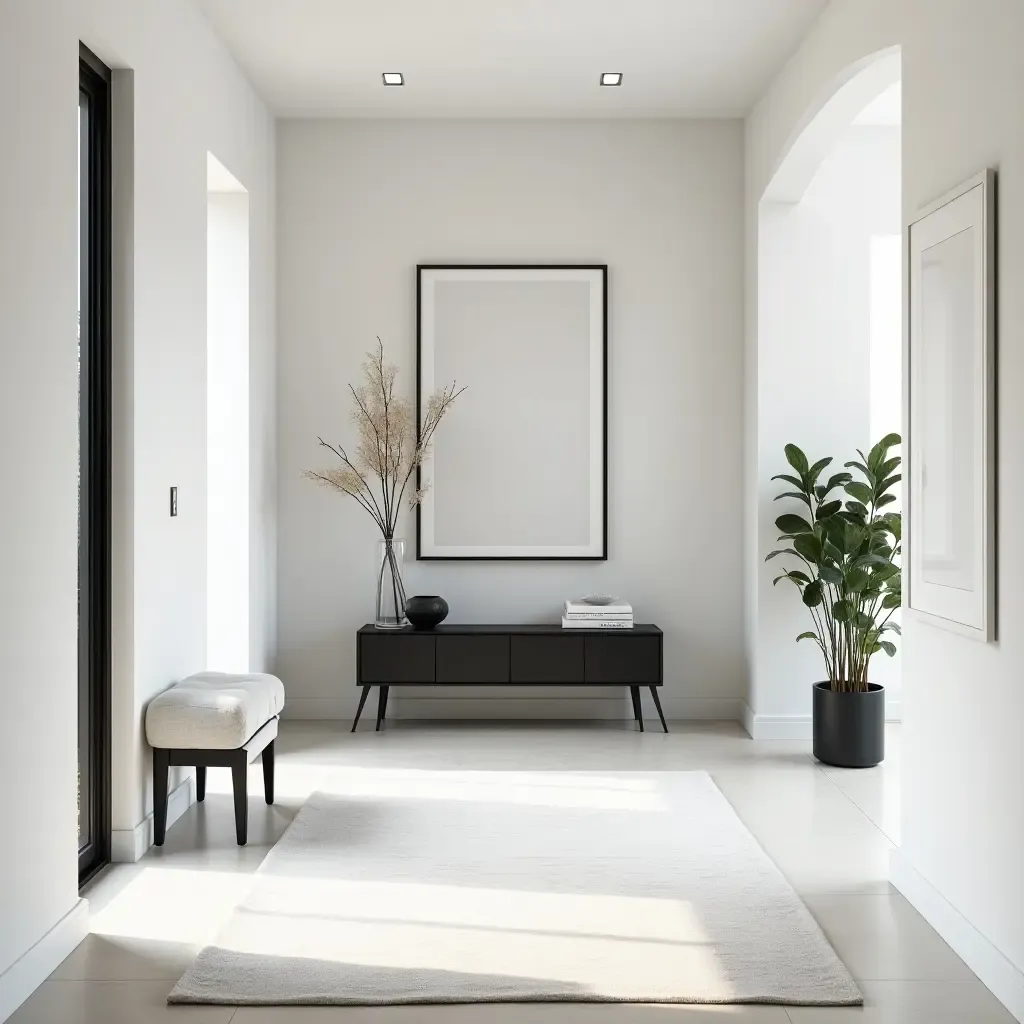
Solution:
(892, 627)
(863, 469)
(829, 508)
(894, 521)
(889, 481)
(860, 491)
(831, 552)
(800, 577)
(830, 574)
(862, 620)
(842, 610)
(794, 494)
(857, 509)
(892, 600)
(856, 580)
(885, 499)
(815, 471)
(797, 459)
(871, 558)
(889, 647)
(888, 466)
(781, 551)
(809, 546)
(837, 480)
(791, 525)
(807, 636)
(790, 479)
(880, 450)
(812, 594)
(884, 572)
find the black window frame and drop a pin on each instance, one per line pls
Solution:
(95, 466)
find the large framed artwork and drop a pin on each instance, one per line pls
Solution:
(520, 470)
(951, 396)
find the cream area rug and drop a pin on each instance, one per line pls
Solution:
(395, 887)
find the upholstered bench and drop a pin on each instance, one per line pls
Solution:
(214, 720)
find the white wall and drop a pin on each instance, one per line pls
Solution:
(188, 97)
(815, 382)
(963, 702)
(227, 432)
(360, 204)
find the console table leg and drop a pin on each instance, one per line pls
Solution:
(382, 705)
(657, 704)
(359, 710)
(638, 714)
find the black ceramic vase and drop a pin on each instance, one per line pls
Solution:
(426, 612)
(849, 728)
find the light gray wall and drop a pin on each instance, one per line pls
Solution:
(360, 204)
(963, 701)
(188, 97)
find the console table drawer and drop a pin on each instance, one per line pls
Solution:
(547, 659)
(623, 659)
(396, 658)
(472, 659)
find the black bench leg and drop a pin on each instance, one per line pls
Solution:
(634, 692)
(201, 782)
(161, 762)
(657, 704)
(359, 710)
(268, 772)
(240, 784)
(382, 705)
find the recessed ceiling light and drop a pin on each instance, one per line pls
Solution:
(611, 78)
(393, 78)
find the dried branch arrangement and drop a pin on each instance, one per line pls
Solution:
(391, 444)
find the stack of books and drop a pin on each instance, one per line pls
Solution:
(583, 615)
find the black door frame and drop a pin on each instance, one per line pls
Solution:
(94, 439)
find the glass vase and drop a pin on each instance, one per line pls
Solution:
(390, 585)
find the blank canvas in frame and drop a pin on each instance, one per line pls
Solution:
(951, 542)
(517, 470)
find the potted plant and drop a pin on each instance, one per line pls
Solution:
(849, 580)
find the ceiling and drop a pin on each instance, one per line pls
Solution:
(512, 58)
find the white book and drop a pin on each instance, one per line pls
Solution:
(598, 610)
(598, 616)
(596, 623)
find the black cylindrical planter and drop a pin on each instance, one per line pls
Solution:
(849, 728)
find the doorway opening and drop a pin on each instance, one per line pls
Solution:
(829, 347)
(227, 422)
(94, 390)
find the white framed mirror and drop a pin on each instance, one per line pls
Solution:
(951, 410)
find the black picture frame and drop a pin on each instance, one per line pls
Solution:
(602, 269)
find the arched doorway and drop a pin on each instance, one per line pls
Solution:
(829, 339)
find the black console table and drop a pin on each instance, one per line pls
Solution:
(509, 656)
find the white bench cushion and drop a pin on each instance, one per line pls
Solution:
(213, 711)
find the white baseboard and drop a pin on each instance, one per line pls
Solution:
(128, 845)
(996, 972)
(531, 707)
(775, 727)
(33, 967)
(794, 727)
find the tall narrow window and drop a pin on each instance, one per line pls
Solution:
(93, 464)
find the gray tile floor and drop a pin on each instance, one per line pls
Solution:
(829, 830)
